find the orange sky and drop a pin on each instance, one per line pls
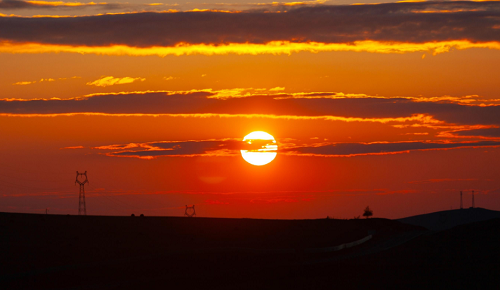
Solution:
(364, 113)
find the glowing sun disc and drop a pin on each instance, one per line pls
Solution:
(263, 155)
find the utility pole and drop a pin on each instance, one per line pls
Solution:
(82, 208)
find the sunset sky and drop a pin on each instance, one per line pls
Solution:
(394, 105)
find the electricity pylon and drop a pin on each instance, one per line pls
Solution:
(82, 208)
(190, 212)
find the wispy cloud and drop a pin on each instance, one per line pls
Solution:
(41, 81)
(24, 83)
(110, 81)
(73, 147)
(442, 180)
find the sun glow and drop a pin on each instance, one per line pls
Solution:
(262, 148)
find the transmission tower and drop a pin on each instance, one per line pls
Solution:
(190, 212)
(82, 208)
(461, 202)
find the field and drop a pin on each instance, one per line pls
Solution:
(99, 252)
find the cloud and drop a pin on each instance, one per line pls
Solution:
(488, 132)
(280, 199)
(273, 47)
(232, 147)
(19, 4)
(24, 83)
(41, 80)
(442, 180)
(73, 7)
(360, 149)
(110, 81)
(225, 147)
(73, 147)
(399, 112)
(209, 201)
(414, 22)
(447, 118)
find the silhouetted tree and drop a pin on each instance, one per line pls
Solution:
(368, 212)
(357, 217)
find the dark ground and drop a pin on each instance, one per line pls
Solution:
(90, 252)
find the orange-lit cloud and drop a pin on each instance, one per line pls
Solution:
(24, 83)
(35, 4)
(421, 120)
(61, 3)
(273, 47)
(384, 28)
(437, 120)
(41, 80)
(399, 112)
(472, 100)
(73, 147)
(110, 81)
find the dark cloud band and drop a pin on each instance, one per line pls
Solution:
(231, 147)
(390, 22)
(201, 103)
(18, 4)
(350, 149)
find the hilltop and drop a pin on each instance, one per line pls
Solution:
(443, 220)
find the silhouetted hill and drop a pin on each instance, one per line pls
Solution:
(442, 220)
(71, 252)
(464, 257)
(62, 251)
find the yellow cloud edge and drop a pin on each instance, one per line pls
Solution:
(274, 47)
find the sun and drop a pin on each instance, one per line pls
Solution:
(262, 148)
